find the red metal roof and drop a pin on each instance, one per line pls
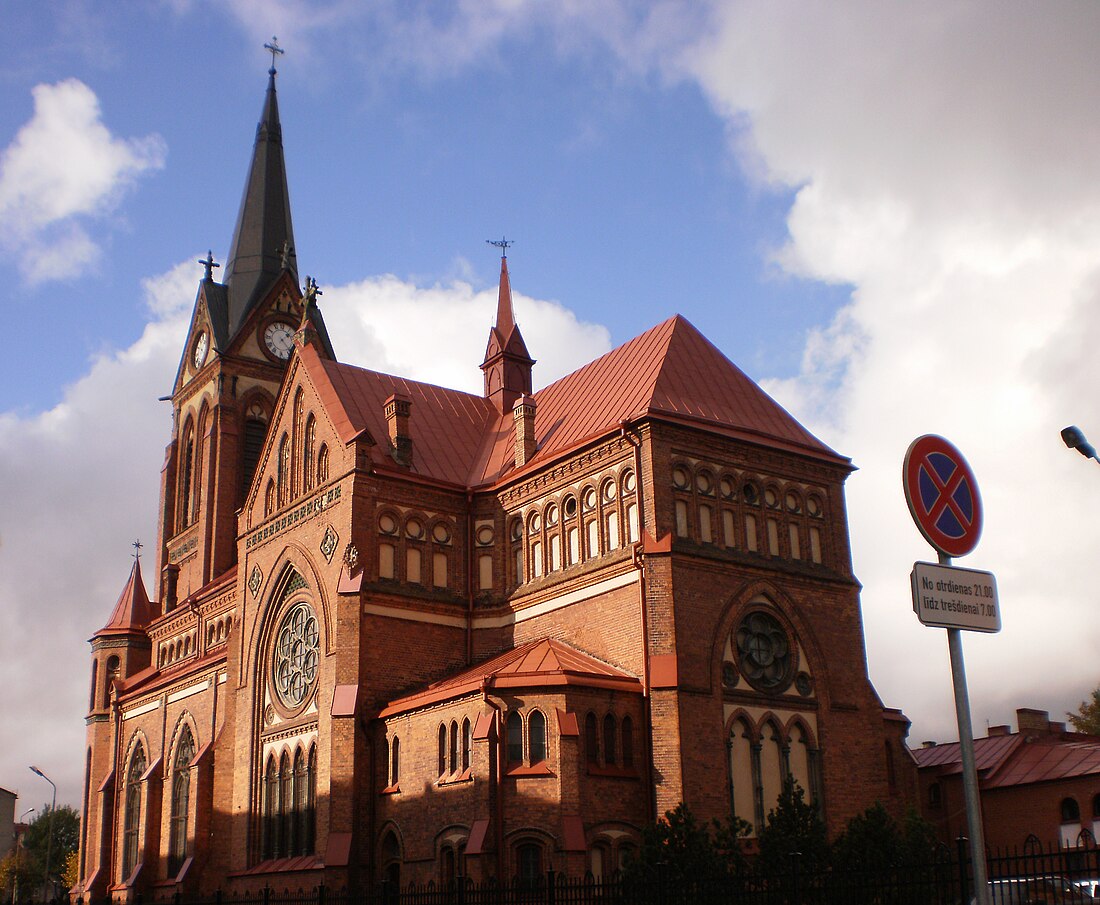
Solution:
(670, 371)
(133, 611)
(537, 663)
(1014, 760)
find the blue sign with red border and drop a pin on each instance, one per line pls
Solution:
(942, 494)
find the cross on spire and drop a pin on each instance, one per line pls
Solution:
(310, 298)
(208, 263)
(501, 243)
(276, 50)
(137, 545)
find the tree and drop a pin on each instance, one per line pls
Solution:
(794, 827)
(680, 853)
(1087, 717)
(36, 843)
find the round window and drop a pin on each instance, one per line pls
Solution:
(764, 651)
(295, 663)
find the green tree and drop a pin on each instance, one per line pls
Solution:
(20, 877)
(1087, 717)
(680, 853)
(793, 828)
(36, 844)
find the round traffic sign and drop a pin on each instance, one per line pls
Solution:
(942, 494)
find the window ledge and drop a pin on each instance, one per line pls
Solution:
(392, 790)
(520, 771)
(450, 779)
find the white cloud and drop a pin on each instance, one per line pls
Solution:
(377, 323)
(62, 169)
(81, 481)
(944, 160)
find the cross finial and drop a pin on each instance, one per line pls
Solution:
(501, 243)
(286, 252)
(208, 263)
(276, 50)
(137, 545)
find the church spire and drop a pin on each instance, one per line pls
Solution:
(263, 240)
(507, 364)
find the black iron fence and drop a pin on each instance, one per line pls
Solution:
(1031, 876)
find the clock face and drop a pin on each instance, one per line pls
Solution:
(202, 345)
(279, 338)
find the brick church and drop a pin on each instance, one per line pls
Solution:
(404, 632)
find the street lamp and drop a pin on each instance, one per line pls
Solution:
(1075, 439)
(49, 831)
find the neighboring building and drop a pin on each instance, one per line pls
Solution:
(406, 632)
(7, 821)
(1040, 783)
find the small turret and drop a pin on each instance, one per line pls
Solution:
(507, 365)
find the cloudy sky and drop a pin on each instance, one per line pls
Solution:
(888, 214)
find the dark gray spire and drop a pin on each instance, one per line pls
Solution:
(263, 241)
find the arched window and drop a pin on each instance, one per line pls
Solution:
(391, 860)
(935, 794)
(91, 696)
(296, 471)
(311, 801)
(269, 497)
(301, 804)
(591, 739)
(442, 749)
(395, 761)
(186, 474)
(609, 731)
(113, 668)
(514, 733)
(536, 737)
(454, 746)
(271, 809)
(529, 864)
(132, 818)
(255, 432)
(283, 470)
(467, 743)
(309, 440)
(628, 742)
(181, 800)
(286, 800)
(1071, 811)
(322, 464)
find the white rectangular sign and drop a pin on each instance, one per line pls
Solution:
(950, 597)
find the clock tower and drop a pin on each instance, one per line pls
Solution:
(238, 344)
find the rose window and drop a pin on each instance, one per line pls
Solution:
(765, 652)
(296, 655)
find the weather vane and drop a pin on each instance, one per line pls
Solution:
(137, 545)
(501, 243)
(276, 50)
(208, 263)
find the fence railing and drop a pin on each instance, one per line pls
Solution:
(1030, 876)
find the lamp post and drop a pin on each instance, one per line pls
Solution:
(1073, 437)
(49, 831)
(18, 859)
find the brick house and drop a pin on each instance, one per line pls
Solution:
(404, 632)
(1038, 784)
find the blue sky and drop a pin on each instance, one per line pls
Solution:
(887, 214)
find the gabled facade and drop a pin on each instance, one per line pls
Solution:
(404, 632)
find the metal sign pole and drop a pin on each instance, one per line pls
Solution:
(969, 768)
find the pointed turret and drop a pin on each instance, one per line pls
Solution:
(263, 240)
(133, 612)
(507, 364)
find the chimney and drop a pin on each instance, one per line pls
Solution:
(523, 414)
(928, 744)
(397, 411)
(994, 731)
(1028, 720)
